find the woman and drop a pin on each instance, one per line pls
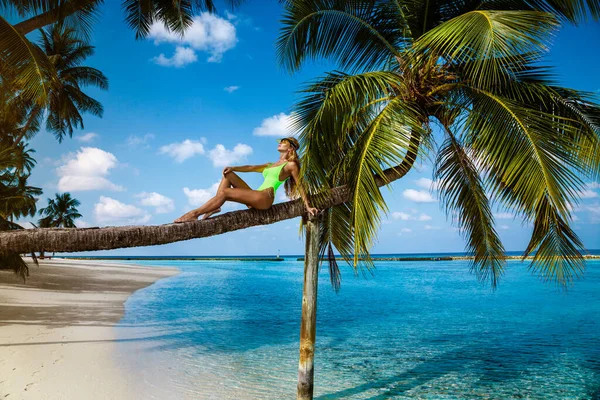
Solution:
(233, 188)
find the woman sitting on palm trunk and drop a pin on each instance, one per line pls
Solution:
(233, 188)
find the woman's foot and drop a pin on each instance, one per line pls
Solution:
(190, 216)
(208, 214)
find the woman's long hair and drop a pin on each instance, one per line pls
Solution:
(290, 185)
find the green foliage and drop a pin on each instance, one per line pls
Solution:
(29, 65)
(61, 212)
(66, 99)
(514, 139)
(17, 198)
(48, 76)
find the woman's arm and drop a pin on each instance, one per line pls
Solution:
(247, 168)
(294, 171)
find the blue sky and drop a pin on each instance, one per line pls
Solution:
(177, 111)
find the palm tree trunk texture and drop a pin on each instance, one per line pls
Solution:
(86, 239)
(89, 239)
(309, 312)
(49, 17)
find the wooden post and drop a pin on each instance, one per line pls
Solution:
(309, 311)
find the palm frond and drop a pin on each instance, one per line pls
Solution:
(139, 16)
(485, 44)
(575, 11)
(177, 16)
(533, 166)
(357, 34)
(85, 76)
(558, 250)
(30, 66)
(525, 151)
(61, 211)
(385, 142)
(463, 194)
(16, 263)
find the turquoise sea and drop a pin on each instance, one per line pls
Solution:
(412, 330)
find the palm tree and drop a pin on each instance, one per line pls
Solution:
(513, 138)
(61, 212)
(17, 198)
(66, 99)
(424, 63)
(30, 66)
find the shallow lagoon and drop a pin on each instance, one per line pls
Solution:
(427, 330)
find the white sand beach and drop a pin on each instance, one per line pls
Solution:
(56, 330)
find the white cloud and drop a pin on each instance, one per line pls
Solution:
(418, 196)
(594, 211)
(504, 227)
(431, 228)
(587, 194)
(401, 216)
(282, 196)
(208, 33)
(111, 211)
(182, 151)
(231, 89)
(82, 224)
(411, 217)
(277, 125)
(593, 185)
(88, 137)
(504, 216)
(406, 230)
(426, 183)
(424, 217)
(139, 141)
(197, 197)
(86, 170)
(182, 57)
(222, 157)
(239, 19)
(161, 203)
(230, 16)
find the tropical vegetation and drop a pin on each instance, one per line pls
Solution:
(17, 198)
(463, 84)
(35, 70)
(22, 116)
(61, 212)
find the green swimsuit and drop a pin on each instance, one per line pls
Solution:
(271, 175)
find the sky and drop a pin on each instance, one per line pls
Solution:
(178, 110)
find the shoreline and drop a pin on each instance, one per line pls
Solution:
(58, 329)
(445, 258)
(293, 258)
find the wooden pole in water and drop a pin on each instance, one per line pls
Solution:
(309, 311)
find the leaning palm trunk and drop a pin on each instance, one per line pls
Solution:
(89, 239)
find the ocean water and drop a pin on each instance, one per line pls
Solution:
(413, 330)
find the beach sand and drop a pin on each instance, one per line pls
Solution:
(56, 330)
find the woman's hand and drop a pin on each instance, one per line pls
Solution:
(226, 170)
(312, 211)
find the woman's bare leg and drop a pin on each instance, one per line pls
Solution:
(229, 179)
(214, 204)
(258, 199)
(211, 212)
